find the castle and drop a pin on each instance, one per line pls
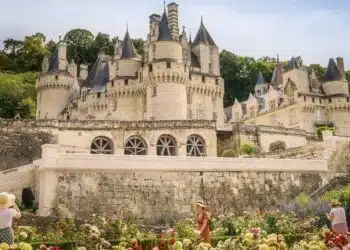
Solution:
(170, 101)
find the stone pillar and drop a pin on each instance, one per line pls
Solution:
(173, 18)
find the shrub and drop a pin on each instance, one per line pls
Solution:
(229, 153)
(247, 149)
(277, 145)
(302, 200)
(323, 128)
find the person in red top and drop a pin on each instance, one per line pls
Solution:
(202, 221)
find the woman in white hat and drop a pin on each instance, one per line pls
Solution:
(6, 216)
(202, 219)
(338, 218)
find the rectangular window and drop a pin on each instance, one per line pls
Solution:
(98, 95)
(190, 77)
(126, 82)
(168, 65)
(273, 105)
(189, 113)
(313, 99)
(150, 68)
(154, 91)
(203, 78)
(304, 98)
(112, 83)
(252, 112)
(216, 81)
(56, 77)
(189, 99)
(330, 100)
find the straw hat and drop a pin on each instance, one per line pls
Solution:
(4, 200)
(9, 202)
(335, 202)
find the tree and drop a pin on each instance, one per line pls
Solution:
(79, 42)
(318, 69)
(139, 46)
(103, 43)
(51, 46)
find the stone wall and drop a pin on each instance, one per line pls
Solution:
(161, 189)
(14, 180)
(20, 145)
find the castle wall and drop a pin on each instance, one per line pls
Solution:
(161, 188)
(20, 145)
(299, 77)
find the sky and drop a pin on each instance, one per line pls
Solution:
(316, 30)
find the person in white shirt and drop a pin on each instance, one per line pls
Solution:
(6, 216)
(337, 216)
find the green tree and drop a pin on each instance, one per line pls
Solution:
(79, 43)
(51, 46)
(139, 46)
(318, 69)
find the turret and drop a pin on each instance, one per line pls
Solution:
(54, 86)
(166, 47)
(277, 77)
(334, 83)
(260, 86)
(206, 50)
(129, 61)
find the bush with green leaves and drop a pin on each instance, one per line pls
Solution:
(323, 128)
(277, 145)
(247, 149)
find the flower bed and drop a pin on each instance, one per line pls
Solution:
(269, 230)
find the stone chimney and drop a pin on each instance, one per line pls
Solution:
(154, 20)
(62, 55)
(173, 18)
(340, 65)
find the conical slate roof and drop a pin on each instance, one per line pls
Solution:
(53, 62)
(164, 31)
(128, 49)
(332, 73)
(99, 74)
(203, 36)
(260, 79)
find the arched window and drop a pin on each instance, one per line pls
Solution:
(166, 145)
(101, 145)
(135, 145)
(195, 146)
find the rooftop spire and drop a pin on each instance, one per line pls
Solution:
(332, 73)
(260, 79)
(164, 5)
(203, 36)
(128, 49)
(164, 31)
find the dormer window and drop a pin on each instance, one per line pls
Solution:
(252, 112)
(99, 95)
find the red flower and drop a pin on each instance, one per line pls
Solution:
(172, 241)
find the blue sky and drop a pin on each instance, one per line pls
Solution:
(314, 29)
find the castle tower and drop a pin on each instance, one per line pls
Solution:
(206, 50)
(166, 77)
(54, 85)
(277, 77)
(129, 61)
(173, 12)
(334, 83)
(260, 86)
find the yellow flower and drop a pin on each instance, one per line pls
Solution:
(263, 247)
(4, 246)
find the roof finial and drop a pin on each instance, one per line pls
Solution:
(127, 26)
(202, 19)
(164, 5)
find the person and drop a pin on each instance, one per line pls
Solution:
(202, 221)
(337, 216)
(6, 216)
